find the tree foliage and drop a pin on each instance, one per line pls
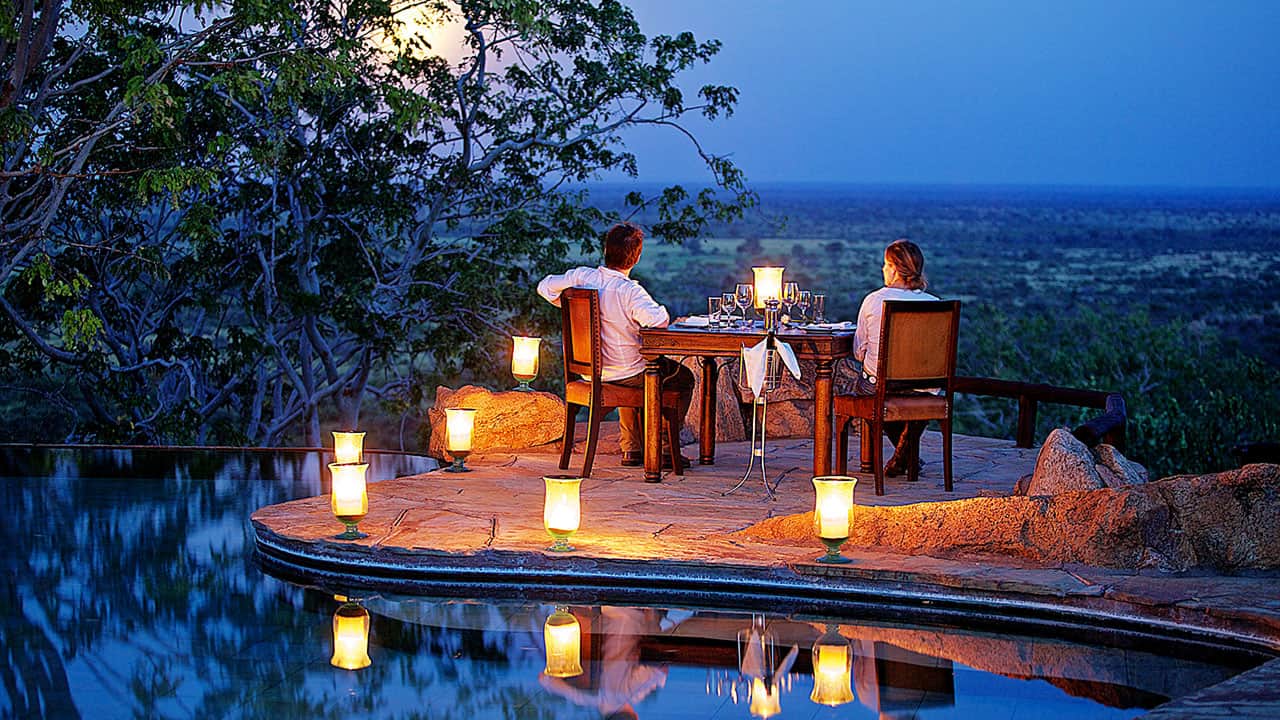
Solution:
(1190, 395)
(222, 223)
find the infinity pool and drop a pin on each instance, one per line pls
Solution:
(133, 591)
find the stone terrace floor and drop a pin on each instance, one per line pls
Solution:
(680, 532)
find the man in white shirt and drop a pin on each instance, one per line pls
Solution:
(625, 307)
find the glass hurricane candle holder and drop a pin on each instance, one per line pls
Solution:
(349, 497)
(768, 285)
(561, 509)
(563, 636)
(460, 426)
(524, 360)
(833, 513)
(832, 669)
(348, 447)
(350, 637)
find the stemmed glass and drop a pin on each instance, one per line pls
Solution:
(727, 302)
(744, 295)
(790, 295)
(803, 302)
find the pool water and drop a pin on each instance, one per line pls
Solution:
(133, 591)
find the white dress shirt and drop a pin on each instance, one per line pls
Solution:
(625, 307)
(866, 339)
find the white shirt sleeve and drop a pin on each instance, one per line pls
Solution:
(867, 318)
(644, 309)
(552, 285)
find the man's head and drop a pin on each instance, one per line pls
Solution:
(622, 245)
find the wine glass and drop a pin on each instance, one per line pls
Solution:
(727, 303)
(790, 295)
(803, 302)
(744, 295)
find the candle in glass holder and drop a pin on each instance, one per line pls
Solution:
(349, 497)
(833, 513)
(561, 509)
(460, 423)
(348, 447)
(768, 285)
(524, 359)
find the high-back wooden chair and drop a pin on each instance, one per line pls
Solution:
(580, 328)
(917, 351)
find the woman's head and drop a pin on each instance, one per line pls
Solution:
(904, 265)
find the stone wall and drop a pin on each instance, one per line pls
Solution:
(1226, 522)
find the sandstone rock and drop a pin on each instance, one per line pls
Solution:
(1229, 521)
(1064, 465)
(1022, 485)
(505, 421)
(1126, 471)
(728, 413)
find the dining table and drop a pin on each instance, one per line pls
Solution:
(709, 343)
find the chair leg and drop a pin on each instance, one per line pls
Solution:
(673, 439)
(877, 450)
(946, 454)
(864, 445)
(566, 440)
(594, 413)
(842, 444)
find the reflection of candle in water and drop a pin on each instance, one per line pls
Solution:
(524, 358)
(350, 498)
(350, 638)
(563, 636)
(459, 422)
(347, 447)
(765, 699)
(831, 675)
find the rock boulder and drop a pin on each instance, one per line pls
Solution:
(1226, 522)
(1067, 465)
(505, 421)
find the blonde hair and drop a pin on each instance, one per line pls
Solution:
(908, 261)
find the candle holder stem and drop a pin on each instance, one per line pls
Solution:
(352, 532)
(560, 541)
(459, 461)
(833, 556)
(524, 385)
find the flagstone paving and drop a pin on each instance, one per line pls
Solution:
(679, 534)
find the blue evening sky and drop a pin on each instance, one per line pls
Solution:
(1078, 92)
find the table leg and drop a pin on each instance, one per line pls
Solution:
(823, 387)
(707, 433)
(652, 422)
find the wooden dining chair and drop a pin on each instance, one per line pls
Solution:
(580, 329)
(917, 351)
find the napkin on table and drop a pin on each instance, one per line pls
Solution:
(696, 321)
(846, 325)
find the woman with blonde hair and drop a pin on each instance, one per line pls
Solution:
(903, 280)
